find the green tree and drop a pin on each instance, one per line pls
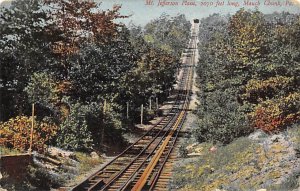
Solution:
(24, 49)
(253, 59)
(73, 133)
(168, 33)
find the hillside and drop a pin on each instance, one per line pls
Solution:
(246, 132)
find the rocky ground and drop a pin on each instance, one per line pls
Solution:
(260, 161)
(56, 170)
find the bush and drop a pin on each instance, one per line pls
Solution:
(15, 133)
(222, 120)
(74, 133)
(258, 90)
(273, 115)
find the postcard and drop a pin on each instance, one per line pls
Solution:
(199, 95)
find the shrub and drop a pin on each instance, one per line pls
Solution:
(15, 133)
(276, 114)
(256, 90)
(222, 120)
(74, 133)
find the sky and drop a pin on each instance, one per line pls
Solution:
(142, 13)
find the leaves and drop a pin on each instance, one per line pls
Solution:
(273, 115)
(260, 90)
(67, 57)
(16, 133)
(81, 21)
(69, 136)
(252, 59)
(168, 33)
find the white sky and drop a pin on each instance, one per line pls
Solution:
(142, 14)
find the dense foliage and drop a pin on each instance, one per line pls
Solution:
(71, 57)
(168, 33)
(17, 133)
(248, 74)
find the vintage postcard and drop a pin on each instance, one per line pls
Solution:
(198, 95)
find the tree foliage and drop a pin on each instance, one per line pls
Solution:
(256, 91)
(69, 57)
(273, 115)
(74, 133)
(168, 33)
(15, 133)
(254, 59)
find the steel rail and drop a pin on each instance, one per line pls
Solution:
(156, 177)
(80, 186)
(171, 125)
(176, 128)
(150, 154)
(140, 154)
(154, 161)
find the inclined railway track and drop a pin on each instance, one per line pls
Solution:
(142, 165)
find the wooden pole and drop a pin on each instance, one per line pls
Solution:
(156, 103)
(127, 111)
(142, 112)
(150, 103)
(103, 128)
(104, 107)
(31, 131)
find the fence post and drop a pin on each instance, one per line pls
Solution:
(127, 111)
(104, 107)
(142, 112)
(31, 131)
(103, 128)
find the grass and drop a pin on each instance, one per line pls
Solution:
(87, 162)
(86, 165)
(243, 164)
(291, 183)
(7, 151)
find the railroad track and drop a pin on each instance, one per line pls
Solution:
(146, 164)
